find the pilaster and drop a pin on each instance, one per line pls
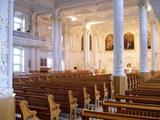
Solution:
(7, 104)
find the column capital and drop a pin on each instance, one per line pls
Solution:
(56, 15)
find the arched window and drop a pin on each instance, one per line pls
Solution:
(109, 42)
(128, 41)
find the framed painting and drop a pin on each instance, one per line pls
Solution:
(128, 41)
(109, 42)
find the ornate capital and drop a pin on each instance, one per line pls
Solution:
(56, 15)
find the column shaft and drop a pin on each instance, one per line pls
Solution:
(86, 51)
(143, 39)
(154, 65)
(57, 42)
(118, 69)
(66, 46)
(10, 42)
(119, 79)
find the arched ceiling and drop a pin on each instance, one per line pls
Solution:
(86, 10)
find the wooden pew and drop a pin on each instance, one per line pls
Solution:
(86, 97)
(132, 108)
(133, 81)
(138, 99)
(143, 92)
(54, 108)
(73, 106)
(38, 103)
(26, 112)
(60, 84)
(86, 114)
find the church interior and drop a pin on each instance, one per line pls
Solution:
(79, 59)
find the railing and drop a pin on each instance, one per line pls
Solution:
(28, 35)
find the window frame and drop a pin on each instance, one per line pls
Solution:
(21, 56)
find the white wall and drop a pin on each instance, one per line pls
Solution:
(104, 59)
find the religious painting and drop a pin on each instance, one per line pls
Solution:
(149, 40)
(128, 41)
(109, 42)
(90, 43)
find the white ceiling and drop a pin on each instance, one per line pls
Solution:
(87, 10)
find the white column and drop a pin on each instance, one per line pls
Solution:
(154, 64)
(38, 59)
(10, 41)
(26, 59)
(143, 39)
(96, 40)
(158, 48)
(57, 41)
(7, 109)
(33, 59)
(86, 49)
(66, 46)
(118, 69)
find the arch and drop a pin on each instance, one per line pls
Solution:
(109, 42)
(128, 40)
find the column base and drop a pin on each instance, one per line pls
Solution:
(145, 76)
(7, 105)
(120, 84)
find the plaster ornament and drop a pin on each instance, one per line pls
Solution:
(4, 51)
(3, 55)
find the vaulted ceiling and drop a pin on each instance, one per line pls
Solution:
(87, 10)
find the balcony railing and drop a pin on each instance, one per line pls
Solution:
(29, 40)
(28, 36)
